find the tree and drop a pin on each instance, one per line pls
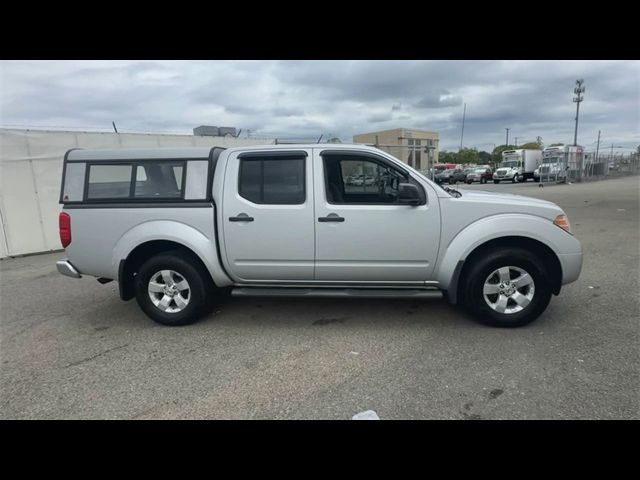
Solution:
(447, 157)
(467, 155)
(496, 155)
(484, 158)
(556, 144)
(531, 146)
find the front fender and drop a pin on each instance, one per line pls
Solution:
(204, 246)
(497, 226)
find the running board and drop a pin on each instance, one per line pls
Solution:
(337, 292)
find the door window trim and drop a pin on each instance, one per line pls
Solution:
(270, 156)
(379, 159)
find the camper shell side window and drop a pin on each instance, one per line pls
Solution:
(134, 181)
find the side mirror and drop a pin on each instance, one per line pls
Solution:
(409, 194)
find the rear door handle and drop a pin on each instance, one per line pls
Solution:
(242, 217)
(332, 217)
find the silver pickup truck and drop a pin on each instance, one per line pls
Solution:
(180, 228)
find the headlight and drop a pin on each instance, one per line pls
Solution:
(563, 222)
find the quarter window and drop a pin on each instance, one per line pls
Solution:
(160, 180)
(109, 181)
(272, 180)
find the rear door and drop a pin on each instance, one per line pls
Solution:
(267, 216)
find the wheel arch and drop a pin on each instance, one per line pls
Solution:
(525, 231)
(546, 255)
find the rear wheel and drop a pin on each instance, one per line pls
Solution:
(173, 289)
(507, 288)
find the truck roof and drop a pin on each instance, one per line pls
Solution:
(81, 154)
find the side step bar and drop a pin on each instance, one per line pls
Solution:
(337, 292)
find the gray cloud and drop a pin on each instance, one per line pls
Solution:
(307, 98)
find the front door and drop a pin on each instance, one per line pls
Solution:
(268, 221)
(363, 233)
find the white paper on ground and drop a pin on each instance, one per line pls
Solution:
(367, 415)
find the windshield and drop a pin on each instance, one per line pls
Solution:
(479, 170)
(510, 163)
(552, 160)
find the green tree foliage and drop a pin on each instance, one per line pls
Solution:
(531, 146)
(556, 144)
(484, 158)
(447, 157)
(468, 155)
(496, 155)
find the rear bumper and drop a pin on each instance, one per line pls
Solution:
(65, 267)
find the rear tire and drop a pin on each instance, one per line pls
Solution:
(171, 308)
(517, 309)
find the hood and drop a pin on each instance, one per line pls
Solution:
(511, 202)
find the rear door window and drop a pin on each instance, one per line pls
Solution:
(275, 181)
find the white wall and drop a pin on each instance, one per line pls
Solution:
(31, 172)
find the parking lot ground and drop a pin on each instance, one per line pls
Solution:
(71, 349)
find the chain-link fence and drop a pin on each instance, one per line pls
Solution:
(583, 167)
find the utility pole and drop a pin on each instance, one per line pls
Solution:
(464, 113)
(597, 147)
(114, 126)
(579, 90)
(506, 142)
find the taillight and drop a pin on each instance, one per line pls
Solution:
(65, 229)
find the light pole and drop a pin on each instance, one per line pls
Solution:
(506, 142)
(579, 90)
(464, 113)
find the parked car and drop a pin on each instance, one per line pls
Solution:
(180, 228)
(445, 176)
(460, 175)
(482, 175)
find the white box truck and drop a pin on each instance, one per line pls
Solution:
(560, 163)
(517, 165)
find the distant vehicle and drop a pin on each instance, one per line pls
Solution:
(480, 174)
(518, 165)
(441, 167)
(559, 162)
(444, 176)
(460, 175)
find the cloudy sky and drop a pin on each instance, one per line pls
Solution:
(340, 98)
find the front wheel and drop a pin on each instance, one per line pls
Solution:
(496, 181)
(507, 288)
(173, 289)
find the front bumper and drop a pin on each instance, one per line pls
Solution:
(571, 264)
(65, 267)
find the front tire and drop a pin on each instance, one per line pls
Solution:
(173, 289)
(496, 181)
(507, 288)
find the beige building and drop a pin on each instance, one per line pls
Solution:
(417, 148)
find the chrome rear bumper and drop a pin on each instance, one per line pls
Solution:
(65, 268)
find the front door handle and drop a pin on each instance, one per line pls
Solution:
(242, 217)
(332, 217)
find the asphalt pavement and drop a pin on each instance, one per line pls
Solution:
(71, 349)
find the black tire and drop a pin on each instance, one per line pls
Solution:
(451, 181)
(474, 279)
(536, 179)
(496, 181)
(200, 288)
(469, 182)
